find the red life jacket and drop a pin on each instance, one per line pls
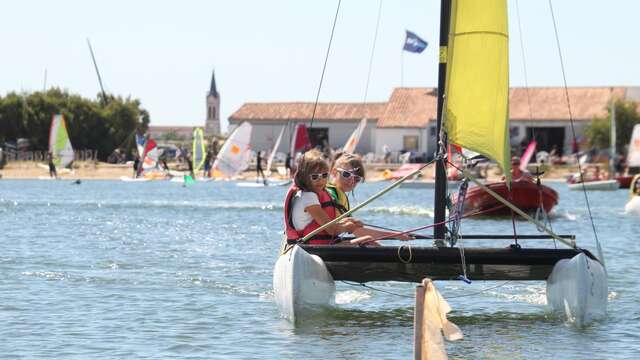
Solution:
(293, 235)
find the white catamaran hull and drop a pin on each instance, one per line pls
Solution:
(596, 185)
(578, 288)
(302, 284)
(633, 206)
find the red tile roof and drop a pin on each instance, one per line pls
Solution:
(551, 103)
(410, 107)
(415, 107)
(303, 111)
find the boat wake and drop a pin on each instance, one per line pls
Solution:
(397, 210)
(352, 296)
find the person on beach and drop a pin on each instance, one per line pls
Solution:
(346, 173)
(52, 167)
(308, 205)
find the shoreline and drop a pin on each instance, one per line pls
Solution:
(86, 170)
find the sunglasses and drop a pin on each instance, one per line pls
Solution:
(316, 177)
(348, 174)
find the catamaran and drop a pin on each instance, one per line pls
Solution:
(473, 113)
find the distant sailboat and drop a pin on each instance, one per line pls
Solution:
(234, 154)
(59, 143)
(148, 152)
(198, 150)
(354, 139)
(633, 161)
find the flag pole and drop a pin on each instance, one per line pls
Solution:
(402, 68)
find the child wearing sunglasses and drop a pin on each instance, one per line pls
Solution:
(347, 172)
(308, 205)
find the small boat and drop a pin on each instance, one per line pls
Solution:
(633, 158)
(591, 179)
(525, 193)
(596, 185)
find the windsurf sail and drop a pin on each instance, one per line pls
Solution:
(526, 156)
(198, 151)
(234, 154)
(633, 156)
(150, 155)
(300, 141)
(59, 143)
(354, 139)
(273, 151)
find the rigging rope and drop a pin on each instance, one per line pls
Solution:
(326, 58)
(573, 132)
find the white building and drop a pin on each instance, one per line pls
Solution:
(407, 121)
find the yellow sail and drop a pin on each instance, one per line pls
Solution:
(477, 83)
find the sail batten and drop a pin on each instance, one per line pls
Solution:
(477, 82)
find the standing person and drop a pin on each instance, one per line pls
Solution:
(206, 172)
(259, 171)
(190, 166)
(136, 166)
(347, 172)
(52, 167)
(287, 165)
(308, 205)
(386, 152)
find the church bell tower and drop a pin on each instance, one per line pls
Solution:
(212, 124)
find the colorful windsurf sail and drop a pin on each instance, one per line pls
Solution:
(59, 143)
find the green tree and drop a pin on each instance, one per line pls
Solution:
(91, 124)
(598, 132)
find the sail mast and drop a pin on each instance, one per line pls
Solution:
(441, 170)
(612, 156)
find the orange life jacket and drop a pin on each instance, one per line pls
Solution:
(293, 235)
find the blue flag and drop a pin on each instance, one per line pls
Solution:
(414, 43)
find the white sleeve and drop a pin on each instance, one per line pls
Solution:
(301, 201)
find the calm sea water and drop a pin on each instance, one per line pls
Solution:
(108, 269)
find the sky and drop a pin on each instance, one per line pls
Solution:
(163, 52)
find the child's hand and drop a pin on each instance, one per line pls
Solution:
(406, 237)
(366, 240)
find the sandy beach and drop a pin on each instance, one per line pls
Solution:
(106, 171)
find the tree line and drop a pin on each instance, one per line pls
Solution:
(103, 124)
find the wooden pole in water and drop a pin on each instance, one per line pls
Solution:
(418, 315)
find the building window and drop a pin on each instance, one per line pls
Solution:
(432, 131)
(410, 143)
(209, 112)
(213, 112)
(514, 131)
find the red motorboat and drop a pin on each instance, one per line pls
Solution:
(526, 194)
